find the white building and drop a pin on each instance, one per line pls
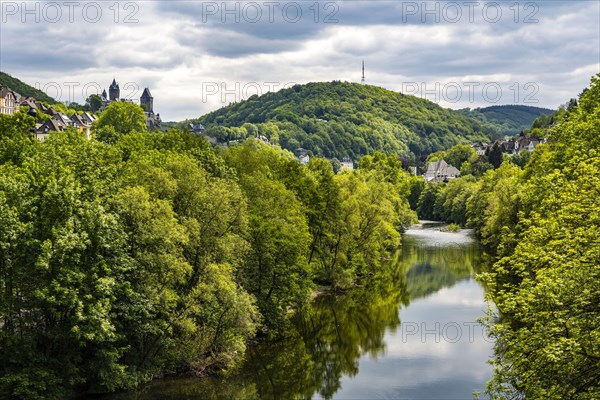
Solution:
(346, 164)
(440, 171)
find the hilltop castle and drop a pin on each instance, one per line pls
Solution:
(146, 102)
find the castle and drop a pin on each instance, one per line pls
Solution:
(146, 102)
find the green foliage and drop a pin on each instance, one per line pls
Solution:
(479, 165)
(426, 204)
(447, 201)
(547, 287)
(494, 155)
(459, 154)
(93, 102)
(118, 119)
(542, 224)
(24, 89)
(521, 159)
(102, 282)
(276, 269)
(456, 156)
(16, 140)
(152, 254)
(541, 126)
(339, 119)
(507, 120)
(452, 228)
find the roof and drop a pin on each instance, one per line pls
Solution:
(62, 118)
(89, 117)
(196, 127)
(4, 91)
(146, 93)
(440, 170)
(30, 101)
(526, 140)
(78, 119)
(50, 125)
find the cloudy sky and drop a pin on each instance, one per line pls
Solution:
(196, 56)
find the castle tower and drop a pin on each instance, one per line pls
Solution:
(147, 101)
(113, 91)
(104, 95)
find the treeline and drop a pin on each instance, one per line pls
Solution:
(542, 224)
(506, 120)
(341, 119)
(24, 89)
(146, 254)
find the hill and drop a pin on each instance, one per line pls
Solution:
(340, 119)
(507, 120)
(24, 89)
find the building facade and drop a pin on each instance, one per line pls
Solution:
(440, 171)
(8, 101)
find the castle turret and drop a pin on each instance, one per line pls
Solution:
(147, 101)
(113, 91)
(104, 95)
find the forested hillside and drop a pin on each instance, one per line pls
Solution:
(24, 89)
(341, 119)
(139, 254)
(541, 223)
(136, 254)
(507, 120)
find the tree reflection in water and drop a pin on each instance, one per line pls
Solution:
(325, 342)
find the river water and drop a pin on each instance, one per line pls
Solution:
(409, 333)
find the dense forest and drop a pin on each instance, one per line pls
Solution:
(139, 254)
(506, 120)
(24, 89)
(541, 224)
(341, 119)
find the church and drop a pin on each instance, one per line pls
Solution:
(153, 120)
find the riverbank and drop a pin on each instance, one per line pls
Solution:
(390, 336)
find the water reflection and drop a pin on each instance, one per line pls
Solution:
(355, 346)
(434, 259)
(440, 351)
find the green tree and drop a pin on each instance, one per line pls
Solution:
(93, 102)
(118, 119)
(546, 284)
(276, 270)
(368, 224)
(494, 155)
(16, 140)
(458, 154)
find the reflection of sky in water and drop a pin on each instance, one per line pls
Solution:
(432, 235)
(439, 351)
(342, 345)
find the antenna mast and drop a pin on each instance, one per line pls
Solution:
(362, 80)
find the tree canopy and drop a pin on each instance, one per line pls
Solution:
(340, 119)
(153, 253)
(541, 223)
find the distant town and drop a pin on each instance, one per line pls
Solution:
(57, 120)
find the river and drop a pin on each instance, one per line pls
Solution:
(408, 333)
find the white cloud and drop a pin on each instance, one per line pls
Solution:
(174, 51)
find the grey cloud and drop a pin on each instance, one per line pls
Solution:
(172, 40)
(231, 44)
